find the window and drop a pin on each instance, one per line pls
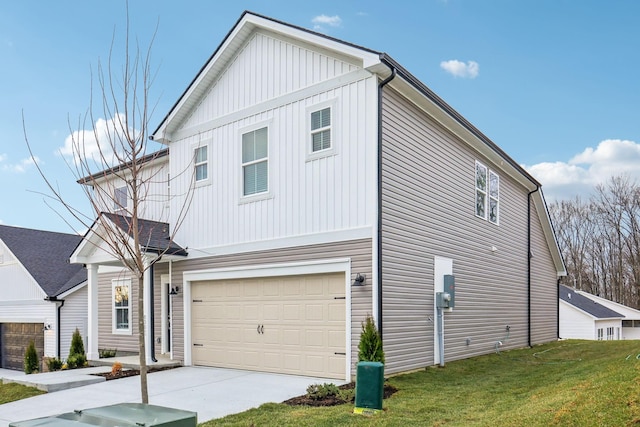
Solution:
(487, 193)
(321, 130)
(120, 198)
(609, 333)
(600, 334)
(255, 163)
(121, 306)
(201, 163)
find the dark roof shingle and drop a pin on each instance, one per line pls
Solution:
(154, 235)
(45, 255)
(587, 305)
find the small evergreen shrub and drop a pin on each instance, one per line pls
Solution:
(321, 391)
(31, 359)
(106, 352)
(54, 364)
(370, 347)
(77, 346)
(76, 361)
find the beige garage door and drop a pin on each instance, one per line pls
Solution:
(292, 325)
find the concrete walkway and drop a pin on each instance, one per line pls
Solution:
(210, 392)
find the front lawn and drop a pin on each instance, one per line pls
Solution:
(566, 383)
(12, 391)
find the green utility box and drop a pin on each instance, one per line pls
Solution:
(369, 387)
(120, 415)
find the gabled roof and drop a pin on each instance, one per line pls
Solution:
(628, 312)
(154, 235)
(45, 255)
(587, 305)
(151, 157)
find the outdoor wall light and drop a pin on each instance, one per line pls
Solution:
(174, 291)
(359, 280)
(47, 327)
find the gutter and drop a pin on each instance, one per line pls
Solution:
(379, 248)
(529, 256)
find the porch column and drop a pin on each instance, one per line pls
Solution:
(147, 305)
(92, 312)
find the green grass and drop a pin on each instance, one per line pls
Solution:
(12, 391)
(567, 383)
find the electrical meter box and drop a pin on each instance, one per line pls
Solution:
(450, 288)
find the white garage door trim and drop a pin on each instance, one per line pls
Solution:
(340, 265)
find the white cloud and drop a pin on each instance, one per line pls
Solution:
(19, 167)
(321, 20)
(97, 143)
(457, 68)
(578, 176)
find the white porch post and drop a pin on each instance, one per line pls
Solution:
(147, 305)
(92, 320)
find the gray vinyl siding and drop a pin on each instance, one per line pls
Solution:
(428, 199)
(106, 339)
(359, 251)
(544, 298)
(73, 315)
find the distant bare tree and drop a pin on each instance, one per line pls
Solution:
(115, 164)
(600, 240)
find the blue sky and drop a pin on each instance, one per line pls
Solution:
(555, 83)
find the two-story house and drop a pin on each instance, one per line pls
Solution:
(329, 183)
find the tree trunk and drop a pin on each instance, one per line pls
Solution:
(144, 393)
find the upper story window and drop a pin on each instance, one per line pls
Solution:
(201, 161)
(487, 194)
(321, 130)
(121, 289)
(120, 198)
(255, 162)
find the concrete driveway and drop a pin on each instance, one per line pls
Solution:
(211, 392)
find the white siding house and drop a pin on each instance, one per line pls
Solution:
(314, 162)
(37, 281)
(582, 317)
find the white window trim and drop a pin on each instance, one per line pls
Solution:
(331, 151)
(194, 147)
(487, 193)
(114, 329)
(265, 194)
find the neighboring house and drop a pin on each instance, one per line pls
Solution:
(313, 163)
(587, 316)
(43, 297)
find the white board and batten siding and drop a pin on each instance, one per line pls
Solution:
(73, 314)
(276, 84)
(429, 211)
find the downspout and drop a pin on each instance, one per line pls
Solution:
(58, 327)
(529, 256)
(379, 248)
(558, 309)
(152, 316)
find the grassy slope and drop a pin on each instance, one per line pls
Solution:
(12, 391)
(568, 383)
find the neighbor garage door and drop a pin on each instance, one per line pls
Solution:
(292, 325)
(14, 339)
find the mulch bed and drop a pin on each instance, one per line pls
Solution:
(124, 373)
(334, 400)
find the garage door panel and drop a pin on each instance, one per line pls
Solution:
(292, 325)
(14, 340)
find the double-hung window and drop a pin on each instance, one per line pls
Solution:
(321, 130)
(487, 194)
(255, 162)
(201, 161)
(121, 290)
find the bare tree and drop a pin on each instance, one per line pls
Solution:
(115, 164)
(600, 240)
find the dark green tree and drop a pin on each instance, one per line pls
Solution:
(370, 347)
(31, 359)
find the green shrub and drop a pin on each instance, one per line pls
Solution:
(54, 364)
(370, 347)
(76, 361)
(31, 359)
(320, 391)
(77, 346)
(106, 352)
